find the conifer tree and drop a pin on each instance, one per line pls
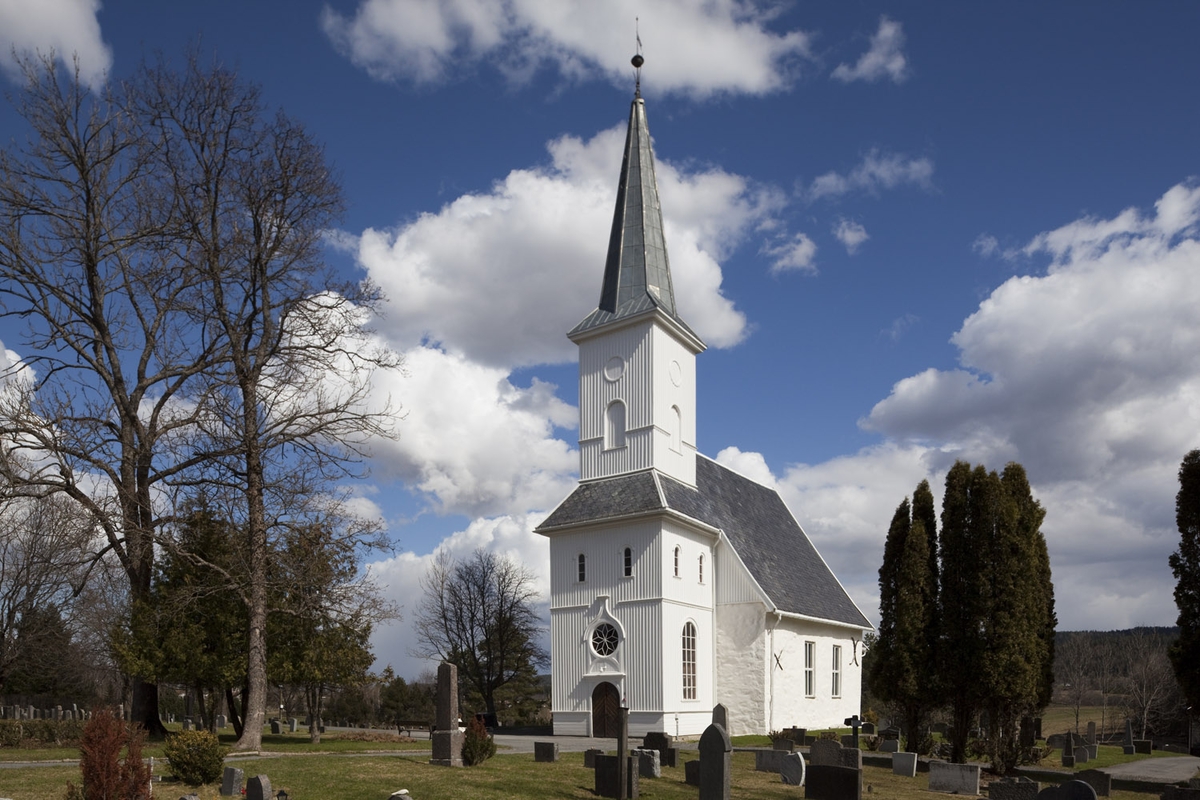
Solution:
(925, 512)
(1185, 563)
(900, 664)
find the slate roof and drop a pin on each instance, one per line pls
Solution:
(637, 272)
(754, 517)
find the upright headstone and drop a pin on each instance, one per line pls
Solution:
(1143, 746)
(607, 774)
(187, 724)
(791, 770)
(1026, 735)
(545, 751)
(715, 752)
(851, 757)
(1081, 754)
(293, 725)
(889, 746)
(691, 773)
(904, 764)
(768, 760)
(663, 743)
(720, 716)
(276, 728)
(868, 729)
(589, 757)
(953, 778)
(1127, 742)
(825, 753)
(623, 765)
(1100, 781)
(221, 722)
(1071, 790)
(1018, 788)
(832, 783)
(1091, 733)
(854, 722)
(259, 788)
(648, 764)
(447, 739)
(232, 781)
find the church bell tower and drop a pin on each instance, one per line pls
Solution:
(637, 357)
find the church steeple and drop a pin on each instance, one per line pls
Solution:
(637, 272)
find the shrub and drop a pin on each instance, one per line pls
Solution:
(478, 745)
(99, 756)
(135, 779)
(196, 757)
(10, 733)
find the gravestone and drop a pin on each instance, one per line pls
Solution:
(1013, 789)
(832, 783)
(1071, 790)
(1143, 746)
(715, 752)
(1068, 761)
(953, 778)
(648, 764)
(868, 728)
(851, 757)
(825, 753)
(691, 773)
(720, 716)
(1026, 735)
(259, 788)
(1100, 781)
(276, 727)
(232, 781)
(1093, 751)
(608, 775)
(768, 760)
(662, 742)
(545, 751)
(221, 722)
(1091, 733)
(904, 764)
(292, 725)
(889, 746)
(1128, 740)
(791, 769)
(1081, 754)
(854, 722)
(669, 757)
(187, 724)
(848, 740)
(447, 739)
(785, 743)
(589, 757)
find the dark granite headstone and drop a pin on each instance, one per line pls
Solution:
(715, 765)
(691, 773)
(1143, 746)
(589, 757)
(545, 751)
(275, 726)
(825, 753)
(232, 781)
(259, 788)
(1013, 789)
(768, 760)
(1081, 754)
(1071, 790)
(1091, 733)
(832, 783)
(1101, 782)
(904, 764)
(662, 742)
(447, 739)
(851, 757)
(608, 776)
(953, 778)
(721, 716)
(792, 769)
(1026, 735)
(868, 728)
(1128, 740)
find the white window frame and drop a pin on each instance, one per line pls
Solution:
(581, 568)
(810, 669)
(700, 570)
(837, 670)
(614, 425)
(689, 660)
(627, 562)
(676, 561)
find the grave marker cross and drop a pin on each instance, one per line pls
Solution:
(855, 723)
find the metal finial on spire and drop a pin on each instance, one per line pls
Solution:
(637, 59)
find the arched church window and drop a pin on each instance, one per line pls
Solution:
(614, 425)
(702, 568)
(676, 561)
(628, 562)
(676, 429)
(689, 661)
(582, 568)
(605, 639)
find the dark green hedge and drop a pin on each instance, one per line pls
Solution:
(40, 733)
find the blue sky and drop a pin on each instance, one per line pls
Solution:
(910, 233)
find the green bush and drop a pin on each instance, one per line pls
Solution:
(196, 757)
(478, 745)
(10, 733)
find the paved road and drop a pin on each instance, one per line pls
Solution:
(1157, 770)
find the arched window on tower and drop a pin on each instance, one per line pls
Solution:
(676, 561)
(614, 425)
(689, 661)
(701, 571)
(676, 429)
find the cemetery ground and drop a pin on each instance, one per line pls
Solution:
(353, 774)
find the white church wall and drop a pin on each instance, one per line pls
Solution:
(674, 387)
(687, 588)
(600, 383)
(741, 659)
(604, 553)
(789, 703)
(683, 715)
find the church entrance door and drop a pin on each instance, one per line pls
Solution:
(606, 711)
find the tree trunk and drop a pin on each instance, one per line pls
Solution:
(256, 666)
(234, 716)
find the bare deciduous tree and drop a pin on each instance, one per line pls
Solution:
(478, 615)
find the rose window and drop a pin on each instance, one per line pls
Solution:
(604, 639)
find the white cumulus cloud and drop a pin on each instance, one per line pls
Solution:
(68, 28)
(526, 258)
(697, 48)
(884, 58)
(796, 254)
(851, 234)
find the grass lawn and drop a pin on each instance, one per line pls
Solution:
(338, 777)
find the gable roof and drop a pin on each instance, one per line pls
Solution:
(754, 518)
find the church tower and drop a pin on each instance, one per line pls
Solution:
(637, 357)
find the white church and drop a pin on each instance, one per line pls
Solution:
(676, 583)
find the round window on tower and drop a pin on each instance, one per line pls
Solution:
(604, 639)
(615, 368)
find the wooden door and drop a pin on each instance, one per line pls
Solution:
(606, 711)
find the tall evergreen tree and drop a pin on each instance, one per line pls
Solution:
(1185, 563)
(925, 511)
(900, 664)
